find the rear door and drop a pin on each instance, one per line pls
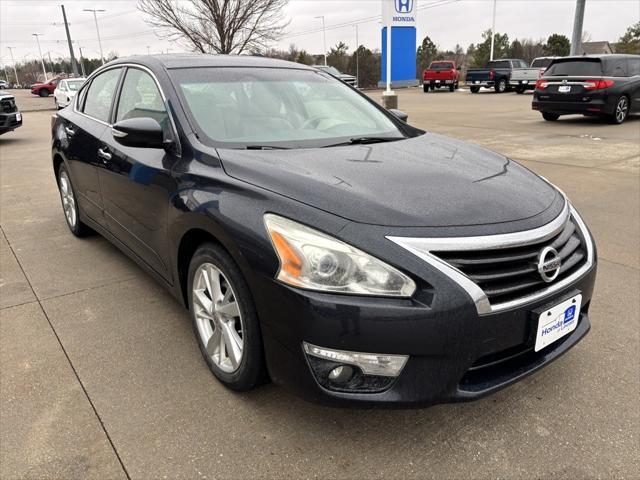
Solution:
(634, 82)
(137, 182)
(82, 128)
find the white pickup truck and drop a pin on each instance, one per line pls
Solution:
(525, 78)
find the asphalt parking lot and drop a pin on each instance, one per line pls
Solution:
(101, 376)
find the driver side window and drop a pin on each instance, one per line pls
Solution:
(140, 98)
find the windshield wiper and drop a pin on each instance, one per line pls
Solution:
(265, 147)
(366, 140)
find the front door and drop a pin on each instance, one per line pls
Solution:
(137, 182)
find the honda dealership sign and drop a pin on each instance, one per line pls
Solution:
(402, 16)
(399, 13)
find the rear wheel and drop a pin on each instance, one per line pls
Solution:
(43, 92)
(225, 319)
(501, 86)
(550, 117)
(621, 111)
(519, 90)
(475, 89)
(70, 205)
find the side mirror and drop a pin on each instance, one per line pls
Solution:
(143, 132)
(399, 114)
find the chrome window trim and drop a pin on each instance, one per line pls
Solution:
(422, 248)
(88, 81)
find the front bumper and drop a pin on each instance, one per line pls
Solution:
(10, 121)
(454, 354)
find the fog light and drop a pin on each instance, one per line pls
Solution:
(341, 374)
(370, 363)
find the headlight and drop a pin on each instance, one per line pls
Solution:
(314, 260)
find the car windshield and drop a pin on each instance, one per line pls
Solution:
(441, 66)
(578, 67)
(277, 107)
(541, 62)
(74, 85)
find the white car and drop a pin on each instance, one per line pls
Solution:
(66, 90)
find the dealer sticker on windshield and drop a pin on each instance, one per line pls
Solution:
(557, 322)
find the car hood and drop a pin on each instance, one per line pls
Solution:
(425, 181)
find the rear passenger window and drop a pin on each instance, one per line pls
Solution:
(618, 68)
(100, 94)
(634, 66)
(140, 97)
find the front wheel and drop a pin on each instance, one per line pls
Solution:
(70, 205)
(501, 86)
(550, 117)
(425, 87)
(621, 111)
(452, 88)
(43, 93)
(225, 319)
(475, 89)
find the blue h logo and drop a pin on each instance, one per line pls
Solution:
(404, 6)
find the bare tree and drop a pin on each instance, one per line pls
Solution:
(218, 26)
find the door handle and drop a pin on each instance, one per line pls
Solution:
(70, 131)
(104, 155)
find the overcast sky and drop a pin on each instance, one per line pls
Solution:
(124, 30)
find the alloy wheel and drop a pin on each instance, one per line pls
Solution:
(621, 109)
(68, 200)
(218, 318)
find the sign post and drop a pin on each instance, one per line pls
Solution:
(398, 48)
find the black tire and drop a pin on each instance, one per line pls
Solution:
(43, 92)
(432, 88)
(475, 89)
(251, 371)
(519, 90)
(501, 85)
(77, 227)
(452, 88)
(621, 111)
(550, 117)
(457, 86)
(425, 87)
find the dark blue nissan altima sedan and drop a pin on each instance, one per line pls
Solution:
(319, 240)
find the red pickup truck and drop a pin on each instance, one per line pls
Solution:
(45, 89)
(441, 74)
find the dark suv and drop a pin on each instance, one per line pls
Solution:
(315, 237)
(10, 117)
(607, 86)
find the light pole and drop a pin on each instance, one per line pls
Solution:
(95, 19)
(357, 59)
(148, 50)
(324, 39)
(15, 72)
(84, 74)
(493, 29)
(576, 40)
(44, 70)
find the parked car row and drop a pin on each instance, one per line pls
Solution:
(607, 86)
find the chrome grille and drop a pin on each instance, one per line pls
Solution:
(507, 274)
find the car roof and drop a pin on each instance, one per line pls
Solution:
(195, 60)
(608, 56)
